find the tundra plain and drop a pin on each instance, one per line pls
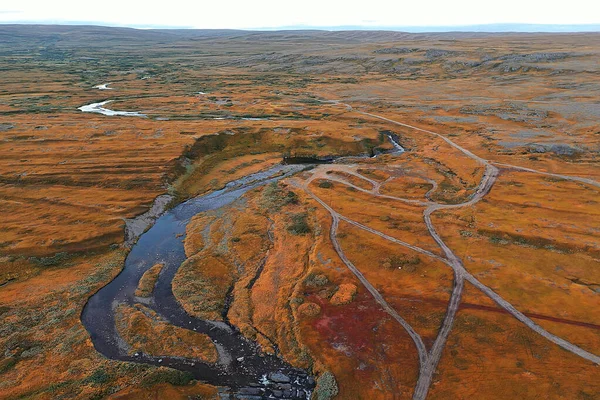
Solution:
(465, 266)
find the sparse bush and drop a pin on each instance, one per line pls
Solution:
(7, 364)
(309, 309)
(344, 294)
(498, 240)
(291, 198)
(51, 261)
(325, 184)
(296, 300)
(275, 197)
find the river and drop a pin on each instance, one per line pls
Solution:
(241, 365)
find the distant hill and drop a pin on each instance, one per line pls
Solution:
(89, 35)
(485, 28)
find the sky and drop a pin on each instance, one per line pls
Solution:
(259, 14)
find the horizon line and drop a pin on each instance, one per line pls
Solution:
(508, 27)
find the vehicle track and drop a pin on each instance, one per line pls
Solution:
(430, 360)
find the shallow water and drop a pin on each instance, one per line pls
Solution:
(98, 108)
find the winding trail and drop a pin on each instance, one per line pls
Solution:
(428, 360)
(421, 349)
(566, 177)
(465, 151)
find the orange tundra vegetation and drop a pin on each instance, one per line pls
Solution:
(463, 267)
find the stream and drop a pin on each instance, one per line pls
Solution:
(241, 366)
(99, 108)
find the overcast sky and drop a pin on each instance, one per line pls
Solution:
(249, 14)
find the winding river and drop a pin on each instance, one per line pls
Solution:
(241, 365)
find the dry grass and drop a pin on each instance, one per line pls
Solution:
(143, 331)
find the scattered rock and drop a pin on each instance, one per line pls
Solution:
(536, 57)
(436, 53)
(279, 377)
(396, 50)
(250, 390)
(558, 149)
(564, 150)
(6, 127)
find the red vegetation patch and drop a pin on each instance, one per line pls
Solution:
(354, 325)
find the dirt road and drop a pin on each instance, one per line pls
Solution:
(428, 360)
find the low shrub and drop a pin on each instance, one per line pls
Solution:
(299, 224)
(326, 387)
(51, 261)
(98, 377)
(165, 375)
(316, 280)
